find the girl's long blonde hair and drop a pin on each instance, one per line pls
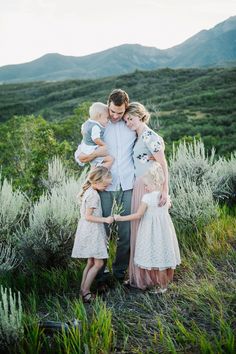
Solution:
(155, 175)
(98, 174)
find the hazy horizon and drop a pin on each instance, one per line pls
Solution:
(29, 30)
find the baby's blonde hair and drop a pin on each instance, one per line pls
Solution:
(98, 174)
(96, 109)
(138, 110)
(155, 175)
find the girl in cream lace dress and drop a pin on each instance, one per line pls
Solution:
(90, 239)
(156, 243)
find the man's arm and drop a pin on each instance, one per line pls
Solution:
(100, 152)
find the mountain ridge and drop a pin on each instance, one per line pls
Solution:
(207, 48)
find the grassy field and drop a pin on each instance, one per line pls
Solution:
(196, 315)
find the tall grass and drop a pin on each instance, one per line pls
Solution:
(196, 315)
(11, 327)
(89, 333)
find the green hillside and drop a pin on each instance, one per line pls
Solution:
(184, 102)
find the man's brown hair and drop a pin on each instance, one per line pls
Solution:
(118, 97)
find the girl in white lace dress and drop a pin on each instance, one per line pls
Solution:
(156, 244)
(90, 239)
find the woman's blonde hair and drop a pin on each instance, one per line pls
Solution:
(97, 175)
(138, 110)
(155, 175)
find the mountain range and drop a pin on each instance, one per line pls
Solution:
(208, 48)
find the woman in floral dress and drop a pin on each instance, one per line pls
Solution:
(149, 147)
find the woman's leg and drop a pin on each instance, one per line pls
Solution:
(170, 274)
(91, 274)
(163, 278)
(90, 263)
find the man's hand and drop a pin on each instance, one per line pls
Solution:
(101, 151)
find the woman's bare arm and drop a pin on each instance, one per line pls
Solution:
(160, 157)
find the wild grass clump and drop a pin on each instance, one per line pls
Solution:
(11, 325)
(95, 334)
(83, 330)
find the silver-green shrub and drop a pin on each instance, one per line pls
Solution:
(52, 224)
(232, 173)
(190, 161)
(193, 205)
(13, 210)
(57, 174)
(222, 179)
(11, 325)
(8, 258)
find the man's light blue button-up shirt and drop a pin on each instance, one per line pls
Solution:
(120, 142)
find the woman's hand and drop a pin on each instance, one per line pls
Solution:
(151, 158)
(163, 198)
(169, 202)
(109, 220)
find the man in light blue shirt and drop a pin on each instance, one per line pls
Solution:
(120, 141)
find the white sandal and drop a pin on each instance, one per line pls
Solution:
(158, 291)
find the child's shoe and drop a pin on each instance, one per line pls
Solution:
(158, 290)
(161, 290)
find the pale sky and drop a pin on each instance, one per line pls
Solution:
(32, 28)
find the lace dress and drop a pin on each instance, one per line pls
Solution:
(156, 243)
(149, 143)
(90, 238)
